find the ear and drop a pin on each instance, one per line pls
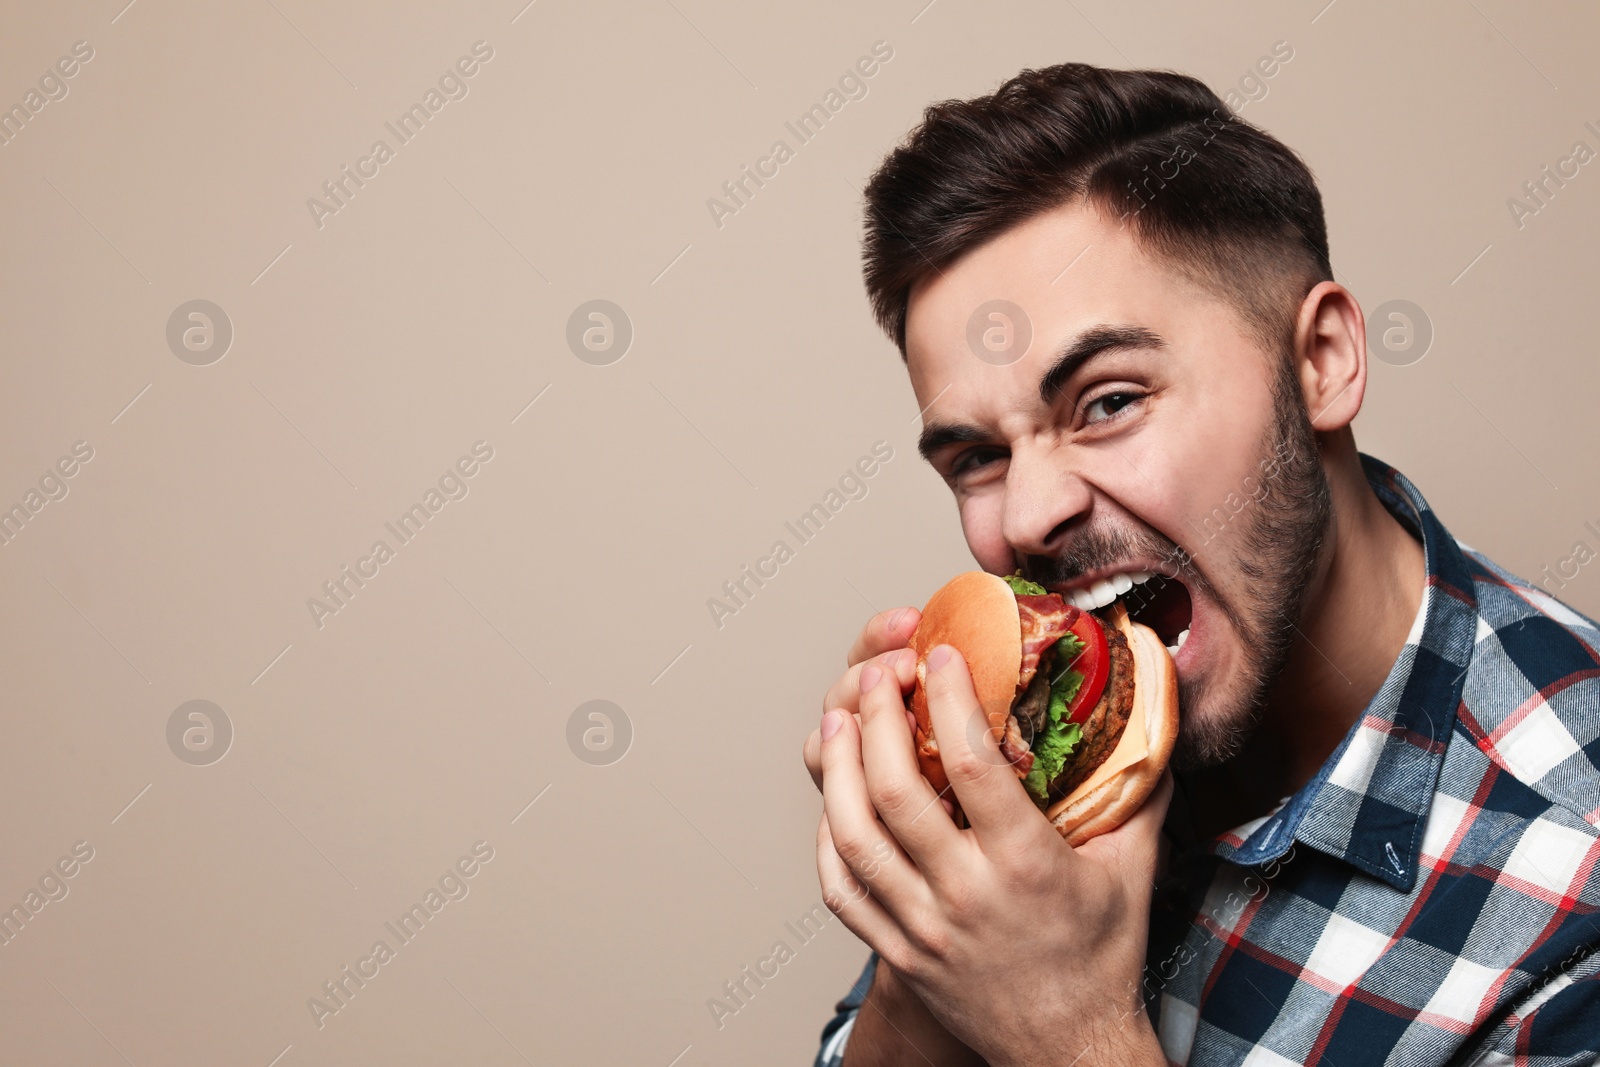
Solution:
(1331, 356)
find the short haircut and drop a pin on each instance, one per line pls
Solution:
(1226, 204)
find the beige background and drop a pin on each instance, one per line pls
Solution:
(370, 353)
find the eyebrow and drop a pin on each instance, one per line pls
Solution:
(1088, 344)
(1085, 346)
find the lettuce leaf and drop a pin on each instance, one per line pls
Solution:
(1068, 649)
(1022, 587)
(1057, 740)
(1050, 752)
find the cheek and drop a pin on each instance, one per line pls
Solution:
(981, 524)
(1211, 457)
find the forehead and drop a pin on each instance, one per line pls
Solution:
(1066, 269)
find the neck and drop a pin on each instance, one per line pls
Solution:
(1358, 609)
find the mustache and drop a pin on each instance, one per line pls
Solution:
(1104, 547)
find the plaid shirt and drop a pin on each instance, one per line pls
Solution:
(1430, 896)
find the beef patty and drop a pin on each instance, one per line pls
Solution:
(1103, 727)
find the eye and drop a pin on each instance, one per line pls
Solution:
(1107, 405)
(974, 459)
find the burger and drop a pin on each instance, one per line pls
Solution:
(1082, 704)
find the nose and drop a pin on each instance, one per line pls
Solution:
(1043, 499)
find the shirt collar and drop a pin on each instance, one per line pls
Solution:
(1368, 804)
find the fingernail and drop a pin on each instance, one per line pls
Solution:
(831, 723)
(949, 807)
(869, 677)
(939, 657)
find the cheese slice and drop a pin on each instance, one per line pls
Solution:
(1134, 746)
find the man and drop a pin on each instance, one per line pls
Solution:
(1116, 308)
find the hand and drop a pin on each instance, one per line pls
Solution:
(890, 1019)
(879, 640)
(892, 1015)
(1025, 949)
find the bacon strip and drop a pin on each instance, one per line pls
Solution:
(1017, 753)
(1045, 620)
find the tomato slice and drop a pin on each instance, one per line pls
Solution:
(1093, 662)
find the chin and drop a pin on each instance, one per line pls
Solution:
(1215, 722)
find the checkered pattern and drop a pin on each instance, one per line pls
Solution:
(1431, 896)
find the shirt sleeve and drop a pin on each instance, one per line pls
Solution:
(837, 1032)
(1559, 1026)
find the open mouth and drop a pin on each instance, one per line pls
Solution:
(1159, 602)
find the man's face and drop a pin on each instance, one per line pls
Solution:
(1161, 449)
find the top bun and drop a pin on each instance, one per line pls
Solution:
(976, 613)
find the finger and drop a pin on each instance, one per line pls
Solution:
(884, 632)
(862, 841)
(851, 899)
(907, 804)
(811, 752)
(902, 662)
(985, 783)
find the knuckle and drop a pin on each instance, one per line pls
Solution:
(891, 795)
(901, 960)
(960, 908)
(851, 850)
(964, 907)
(930, 940)
(1018, 867)
(846, 891)
(961, 764)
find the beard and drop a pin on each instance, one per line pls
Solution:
(1279, 545)
(1280, 534)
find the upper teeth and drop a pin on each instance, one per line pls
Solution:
(1106, 590)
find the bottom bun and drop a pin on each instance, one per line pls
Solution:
(1096, 807)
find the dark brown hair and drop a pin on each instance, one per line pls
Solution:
(1228, 205)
